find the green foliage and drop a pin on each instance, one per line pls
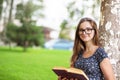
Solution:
(12, 32)
(71, 10)
(63, 24)
(26, 11)
(34, 64)
(26, 35)
(74, 11)
(1, 2)
(20, 12)
(30, 35)
(62, 34)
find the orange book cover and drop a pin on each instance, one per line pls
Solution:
(70, 73)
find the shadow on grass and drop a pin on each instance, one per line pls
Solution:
(13, 50)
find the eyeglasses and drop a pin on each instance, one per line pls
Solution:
(87, 30)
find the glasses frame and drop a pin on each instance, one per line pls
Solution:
(86, 31)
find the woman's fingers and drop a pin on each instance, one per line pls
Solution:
(59, 78)
(64, 78)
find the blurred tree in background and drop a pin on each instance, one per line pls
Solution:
(76, 10)
(1, 7)
(26, 33)
(63, 31)
(25, 36)
(25, 10)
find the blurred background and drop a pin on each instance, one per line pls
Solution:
(34, 22)
(37, 35)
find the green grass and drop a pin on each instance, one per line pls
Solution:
(34, 64)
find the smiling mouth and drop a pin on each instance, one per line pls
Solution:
(83, 36)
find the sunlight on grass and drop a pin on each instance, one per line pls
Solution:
(34, 64)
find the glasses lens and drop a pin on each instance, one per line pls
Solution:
(87, 30)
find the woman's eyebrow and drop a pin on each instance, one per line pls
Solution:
(85, 28)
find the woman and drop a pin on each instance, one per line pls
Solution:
(88, 55)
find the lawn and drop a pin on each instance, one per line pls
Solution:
(34, 64)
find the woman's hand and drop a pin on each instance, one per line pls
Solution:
(64, 78)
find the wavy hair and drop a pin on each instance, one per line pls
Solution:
(79, 45)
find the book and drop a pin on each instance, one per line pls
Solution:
(69, 73)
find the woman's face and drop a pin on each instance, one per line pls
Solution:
(86, 31)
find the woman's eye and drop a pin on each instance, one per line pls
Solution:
(88, 29)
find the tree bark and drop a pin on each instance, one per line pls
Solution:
(10, 12)
(110, 32)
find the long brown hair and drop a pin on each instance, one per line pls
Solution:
(78, 43)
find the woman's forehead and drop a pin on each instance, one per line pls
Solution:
(85, 24)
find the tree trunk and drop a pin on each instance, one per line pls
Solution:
(10, 12)
(1, 7)
(110, 31)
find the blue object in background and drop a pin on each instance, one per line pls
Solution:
(59, 44)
